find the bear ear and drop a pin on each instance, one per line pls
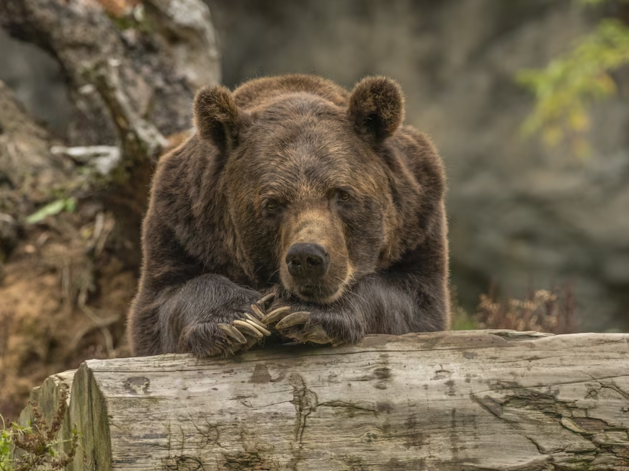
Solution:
(376, 108)
(216, 117)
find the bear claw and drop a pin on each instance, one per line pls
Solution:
(249, 328)
(293, 319)
(314, 335)
(242, 334)
(266, 300)
(257, 325)
(253, 319)
(257, 311)
(296, 327)
(275, 315)
(233, 333)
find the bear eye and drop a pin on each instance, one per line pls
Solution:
(344, 196)
(271, 205)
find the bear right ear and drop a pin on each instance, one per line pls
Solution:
(216, 117)
(376, 108)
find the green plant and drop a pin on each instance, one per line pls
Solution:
(564, 89)
(34, 447)
(52, 209)
(5, 448)
(459, 318)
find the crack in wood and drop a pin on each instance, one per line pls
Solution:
(184, 463)
(614, 388)
(245, 461)
(305, 402)
(349, 405)
(562, 413)
(209, 434)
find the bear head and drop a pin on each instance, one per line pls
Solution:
(315, 195)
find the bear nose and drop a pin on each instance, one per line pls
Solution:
(307, 260)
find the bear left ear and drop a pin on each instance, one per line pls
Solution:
(217, 118)
(376, 108)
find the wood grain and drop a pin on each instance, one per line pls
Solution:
(469, 400)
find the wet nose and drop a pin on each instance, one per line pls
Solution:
(307, 261)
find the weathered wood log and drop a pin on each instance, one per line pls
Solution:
(475, 400)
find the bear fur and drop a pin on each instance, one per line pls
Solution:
(285, 160)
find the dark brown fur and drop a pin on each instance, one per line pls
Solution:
(212, 243)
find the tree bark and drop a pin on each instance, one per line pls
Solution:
(132, 72)
(468, 400)
(163, 51)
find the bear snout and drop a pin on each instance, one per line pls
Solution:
(314, 266)
(307, 261)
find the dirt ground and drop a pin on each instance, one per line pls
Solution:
(64, 300)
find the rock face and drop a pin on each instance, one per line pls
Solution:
(521, 215)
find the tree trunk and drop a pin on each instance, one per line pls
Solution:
(132, 69)
(475, 400)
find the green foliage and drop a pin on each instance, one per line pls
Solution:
(5, 448)
(34, 447)
(569, 83)
(52, 209)
(461, 320)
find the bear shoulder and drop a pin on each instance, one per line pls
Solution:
(422, 158)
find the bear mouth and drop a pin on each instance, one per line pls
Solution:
(318, 293)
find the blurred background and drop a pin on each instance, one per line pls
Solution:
(527, 100)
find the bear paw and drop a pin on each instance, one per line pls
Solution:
(208, 339)
(316, 326)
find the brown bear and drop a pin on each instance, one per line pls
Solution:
(297, 210)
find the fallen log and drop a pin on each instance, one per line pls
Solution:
(468, 400)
